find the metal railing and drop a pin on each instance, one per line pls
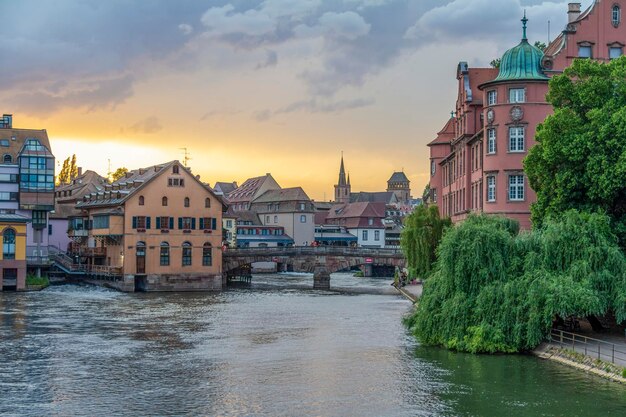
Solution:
(312, 250)
(595, 348)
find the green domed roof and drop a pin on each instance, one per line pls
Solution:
(522, 62)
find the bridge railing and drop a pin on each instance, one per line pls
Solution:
(596, 348)
(312, 250)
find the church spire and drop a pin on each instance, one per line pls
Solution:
(342, 173)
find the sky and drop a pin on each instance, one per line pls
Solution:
(250, 87)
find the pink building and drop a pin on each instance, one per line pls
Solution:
(477, 158)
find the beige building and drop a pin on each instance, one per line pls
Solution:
(240, 198)
(290, 208)
(159, 226)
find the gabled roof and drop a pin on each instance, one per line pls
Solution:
(385, 197)
(398, 177)
(284, 194)
(247, 191)
(357, 210)
(80, 186)
(445, 135)
(225, 187)
(16, 139)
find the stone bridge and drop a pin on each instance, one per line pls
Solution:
(321, 260)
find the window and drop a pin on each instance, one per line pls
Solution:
(615, 52)
(491, 141)
(164, 201)
(492, 97)
(141, 222)
(8, 196)
(207, 202)
(164, 255)
(516, 139)
(517, 95)
(186, 223)
(491, 188)
(584, 51)
(303, 218)
(364, 234)
(36, 173)
(186, 254)
(8, 244)
(267, 219)
(615, 15)
(433, 194)
(49, 230)
(208, 223)
(516, 187)
(175, 182)
(4, 143)
(302, 206)
(207, 255)
(275, 219)
(175, 169)
(433, 167)
(8, 178)
(165, 223)
(376, 234)
(7, 159)
(186, 201)
(229, 223)
(141, 200)
(34, 145)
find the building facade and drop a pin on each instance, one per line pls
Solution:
(158, 225)
(363, 220)
(477, 158)
(400, 185)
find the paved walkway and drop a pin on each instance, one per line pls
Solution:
(610, 347)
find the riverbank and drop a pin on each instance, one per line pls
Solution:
(579, 361)
(411, 292)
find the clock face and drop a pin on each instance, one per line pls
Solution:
(517, 113)
(490, 115)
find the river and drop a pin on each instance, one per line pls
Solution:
(275, 349)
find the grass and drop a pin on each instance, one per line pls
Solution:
(38, 281)
(359, 274)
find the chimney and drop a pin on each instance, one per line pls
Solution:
(573, 11)
(80, 171)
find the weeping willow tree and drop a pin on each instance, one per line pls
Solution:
(421, 235)
(496, 291)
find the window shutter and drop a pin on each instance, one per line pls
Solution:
(193, 223)
(214, 223)
(148, 222)
(201, 220)
(158, 222)
(171, 222)
(134, 222)
(180, 223)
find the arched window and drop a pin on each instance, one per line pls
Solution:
(8, 244)
(186, 201)
(186, 254)
(616, 15)
(165, 254)
(207, 202)
(141, 200)
(175, 169)
(164, 201)
(207, 255)
(7, 159)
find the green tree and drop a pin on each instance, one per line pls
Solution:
(495, 63)
(119, 173)
(73, 169)
(420, 237)
(494, 290)
(579, 161)
(64, 174)
(540, 45)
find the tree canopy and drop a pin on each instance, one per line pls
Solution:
(119, 173)
(579, 161)
(423, 230)
(496, 291)
(69, 171)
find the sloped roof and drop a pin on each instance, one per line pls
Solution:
(80, 186)
(284, 194)
(247, 190)
(225, 187)
(362, 209)
(17, 139)
(398, 177)
(445, 135)
(386, 197)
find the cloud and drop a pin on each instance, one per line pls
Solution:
(314, 106)
(348, 25)
(271, 60)
(224, 21)
(92, 95)
(262, 115)
(185, 29)
(216, 113)
(148, 126)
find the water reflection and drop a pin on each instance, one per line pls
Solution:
(278, 348)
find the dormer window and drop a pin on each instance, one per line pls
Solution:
(7, 159)
(616, 14)
(175, 169)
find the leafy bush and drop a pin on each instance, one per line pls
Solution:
(494, 290)
(37, 281)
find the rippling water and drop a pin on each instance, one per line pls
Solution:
(278, 349)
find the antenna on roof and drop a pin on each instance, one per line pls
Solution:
(186, 157)
(549, 31)
(109, 171)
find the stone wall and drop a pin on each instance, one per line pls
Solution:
(179, 282)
